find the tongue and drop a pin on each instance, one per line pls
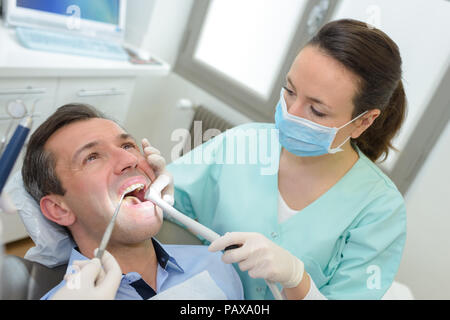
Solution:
(132, 199)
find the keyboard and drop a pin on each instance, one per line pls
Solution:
(70, 44)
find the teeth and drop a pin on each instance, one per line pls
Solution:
(134, 187)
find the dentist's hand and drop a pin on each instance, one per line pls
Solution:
(164, 180)
(261, 257)
(91, 282)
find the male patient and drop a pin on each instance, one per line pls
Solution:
(77, 166)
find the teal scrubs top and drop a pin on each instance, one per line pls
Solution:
(350, 239)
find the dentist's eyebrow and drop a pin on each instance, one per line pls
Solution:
(87, 146)
(290, 82)
(319, 102)
(316, 100)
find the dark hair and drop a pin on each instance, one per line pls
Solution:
(375, 59)
(38, 170)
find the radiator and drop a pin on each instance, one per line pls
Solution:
(202, 121)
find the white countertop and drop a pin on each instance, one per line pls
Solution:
(18, 61)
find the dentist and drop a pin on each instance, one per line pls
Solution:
(328, 224)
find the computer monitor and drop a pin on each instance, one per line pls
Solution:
(104, 19)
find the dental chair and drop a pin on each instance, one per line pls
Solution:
(22, 279)
(27, 280)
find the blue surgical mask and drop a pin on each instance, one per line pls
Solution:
(303, 137)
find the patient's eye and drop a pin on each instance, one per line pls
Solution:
(91, 157)
(129, 145)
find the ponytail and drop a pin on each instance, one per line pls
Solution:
(376, 140)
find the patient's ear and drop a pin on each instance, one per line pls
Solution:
(55, 209)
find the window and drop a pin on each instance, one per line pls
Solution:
(240, 51)
(248, 48)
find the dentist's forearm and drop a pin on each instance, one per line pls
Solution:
(298, 292)
(301, 290)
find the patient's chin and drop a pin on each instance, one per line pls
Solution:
(144, 219)
(135, 232)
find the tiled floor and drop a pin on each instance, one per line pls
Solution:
(19, 247)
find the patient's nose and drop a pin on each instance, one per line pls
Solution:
(125, 161)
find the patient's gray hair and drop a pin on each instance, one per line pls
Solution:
(38, 170)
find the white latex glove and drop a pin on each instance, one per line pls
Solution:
(261, 257)
(164, 180)
(91, 282)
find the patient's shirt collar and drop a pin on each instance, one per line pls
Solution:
(164, 259)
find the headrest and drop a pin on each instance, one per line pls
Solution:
(53, 244)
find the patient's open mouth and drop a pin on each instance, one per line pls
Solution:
(135, 192)
(134, 197)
